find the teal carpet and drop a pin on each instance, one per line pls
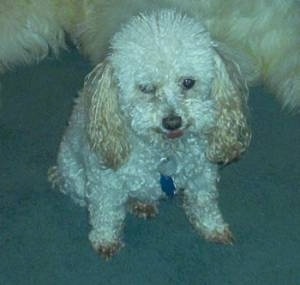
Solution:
(43, 235)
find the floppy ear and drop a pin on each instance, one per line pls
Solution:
(105, 126)
(231, 135)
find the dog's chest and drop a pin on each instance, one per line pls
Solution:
(155, 168)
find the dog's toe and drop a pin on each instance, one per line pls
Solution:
(108, 251)
(224, 237)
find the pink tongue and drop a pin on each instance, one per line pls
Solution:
(175, 134)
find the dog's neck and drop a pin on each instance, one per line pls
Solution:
(165, 149)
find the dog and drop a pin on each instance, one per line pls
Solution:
(163, 109)
(166, 102)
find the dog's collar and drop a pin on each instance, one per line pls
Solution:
(167, 167)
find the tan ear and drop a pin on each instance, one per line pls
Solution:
(106, 129)
(231, 135)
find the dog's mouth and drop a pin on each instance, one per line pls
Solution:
(172, 134)
(173, 126)
(175, 134)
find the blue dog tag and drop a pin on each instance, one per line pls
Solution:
(167, 185)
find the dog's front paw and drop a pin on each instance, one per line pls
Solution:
(106, 245)
(224, 237)
(109, 250)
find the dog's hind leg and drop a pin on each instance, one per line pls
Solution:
(142, 210)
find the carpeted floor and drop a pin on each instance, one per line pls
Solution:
(43, 235)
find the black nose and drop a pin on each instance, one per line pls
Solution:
(172, 122)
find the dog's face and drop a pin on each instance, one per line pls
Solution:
(164, 69)
(166, 80)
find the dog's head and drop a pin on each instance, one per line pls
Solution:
(164, 80)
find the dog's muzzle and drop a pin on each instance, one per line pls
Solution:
(172, 124)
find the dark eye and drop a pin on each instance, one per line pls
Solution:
(147, 88)
(188, 83)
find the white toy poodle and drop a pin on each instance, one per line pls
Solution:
(166, 102)
(161, 110)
